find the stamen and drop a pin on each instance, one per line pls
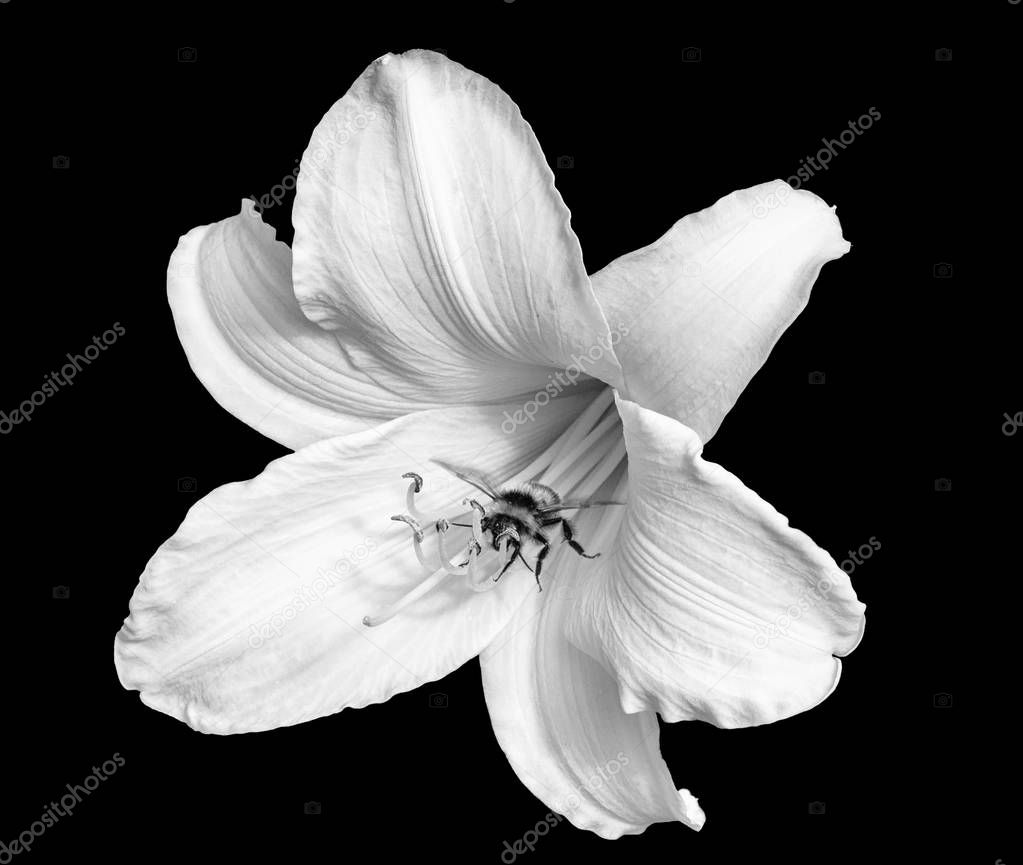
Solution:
(586, 454)
(478, 512)
(445, 560)
(579, 429)
(417, 530)
(585, 450)
(410, 497)
(474, 553)
(569, 438)
(585, 478)
(417, 538)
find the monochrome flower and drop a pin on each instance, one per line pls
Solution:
(433, 288)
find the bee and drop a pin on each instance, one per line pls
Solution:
(526, 511)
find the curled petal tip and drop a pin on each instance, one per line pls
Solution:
(693, 815)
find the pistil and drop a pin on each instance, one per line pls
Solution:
(584, 456)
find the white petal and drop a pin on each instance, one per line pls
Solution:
(229, 286)
(711, 606)
(250, 616)
(429, 234)
(557, 716)
(702, 307)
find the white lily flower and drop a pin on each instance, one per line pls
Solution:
(434, 289)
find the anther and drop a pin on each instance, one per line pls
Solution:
(478, 512)
(412, 523)
(417, 537)
(442, 526)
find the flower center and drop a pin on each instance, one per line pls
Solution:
(580, 461)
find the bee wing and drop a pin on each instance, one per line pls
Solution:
(484, 485)
(573, 505)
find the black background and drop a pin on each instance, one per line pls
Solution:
(157, 146)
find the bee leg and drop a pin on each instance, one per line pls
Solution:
(566, 530)
(544, 550)
(507, 564)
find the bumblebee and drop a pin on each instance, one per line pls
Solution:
(525, 512)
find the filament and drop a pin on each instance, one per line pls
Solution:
(414, 487)
(584, 446)
(571, 435)
(582, 459)
(586, 477)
